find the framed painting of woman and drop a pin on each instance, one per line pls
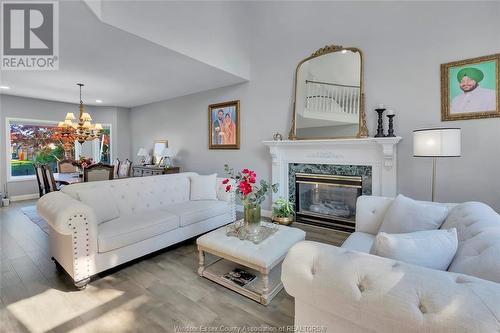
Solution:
(224, 125)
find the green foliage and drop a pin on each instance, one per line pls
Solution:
(19, 163)
(259, 193)
(283, 208)
(47, 154)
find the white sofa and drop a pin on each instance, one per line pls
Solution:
(348, 290)
(99, 225)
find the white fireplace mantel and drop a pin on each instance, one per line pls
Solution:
(379, 153)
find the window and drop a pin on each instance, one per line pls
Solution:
(105, 145)
(33, 141)
(98, 150)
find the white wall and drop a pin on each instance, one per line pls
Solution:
(122, 135)
(403, 44)
(30, 108)
(212, 32)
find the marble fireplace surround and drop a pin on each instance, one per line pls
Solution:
(379, 153)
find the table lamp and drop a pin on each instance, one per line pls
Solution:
(166, 154)
(436, 142)
(144, 154)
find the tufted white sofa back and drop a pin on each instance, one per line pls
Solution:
(138, 194)
(478, 231)
(370, 212)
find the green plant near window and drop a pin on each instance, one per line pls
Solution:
(283, 208)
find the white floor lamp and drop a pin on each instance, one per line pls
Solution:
(436, 142)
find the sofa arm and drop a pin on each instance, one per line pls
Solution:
(384, 295)
(58, 209)
(76, 223)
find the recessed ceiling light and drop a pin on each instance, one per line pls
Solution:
(98, 100)
(5, 87)
(344, 51)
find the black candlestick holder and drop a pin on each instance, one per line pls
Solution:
(390, 133)
(380, 128)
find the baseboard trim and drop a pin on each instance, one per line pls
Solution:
(24, 197)
(264, 212)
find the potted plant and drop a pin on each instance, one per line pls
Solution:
(283, 211)
(250, 193)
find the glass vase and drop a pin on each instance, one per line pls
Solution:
(251, 216)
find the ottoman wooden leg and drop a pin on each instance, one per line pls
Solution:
(265, 288)
(201, 264)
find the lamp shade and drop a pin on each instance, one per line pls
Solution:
(437, 142)
(70, 116)
(142, 152)
(86, 117)
(166, 152)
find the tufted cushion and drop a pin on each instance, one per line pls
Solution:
(264, 254)
(104, 208)
(383, 295)
(408, 215)
(430, 248)
(370, 212)
(131, 229)
(195, 211)
(139, 194)
(478, 228)
(359, 241)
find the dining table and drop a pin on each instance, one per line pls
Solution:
(68, 178)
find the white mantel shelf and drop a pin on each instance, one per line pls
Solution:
(379, 153)
(333, 142)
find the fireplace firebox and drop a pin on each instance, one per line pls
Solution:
(327, 200)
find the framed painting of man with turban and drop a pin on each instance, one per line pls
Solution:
(224, 125)
(470, 88)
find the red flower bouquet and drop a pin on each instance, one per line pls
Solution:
(245, 186)
(83, 162)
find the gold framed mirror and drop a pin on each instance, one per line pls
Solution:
(158, 147)
(329, 95)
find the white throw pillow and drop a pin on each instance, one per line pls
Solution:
(203, 187)
(408, 215)
(101, 200)
(431, 248)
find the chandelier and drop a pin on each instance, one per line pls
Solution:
(80, 131)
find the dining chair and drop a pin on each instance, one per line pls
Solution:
(40, 175)
(97, 172)
(116, 168)
(50, 183)
(66, 166)
(125, 169)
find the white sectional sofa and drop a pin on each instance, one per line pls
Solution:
(99, 225)
(349, 290)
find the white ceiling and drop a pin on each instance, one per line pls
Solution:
(116, 66)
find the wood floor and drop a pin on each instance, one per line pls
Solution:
(158, 294)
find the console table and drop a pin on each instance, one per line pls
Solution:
(146, 170)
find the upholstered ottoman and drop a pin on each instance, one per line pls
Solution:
(262, 260)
